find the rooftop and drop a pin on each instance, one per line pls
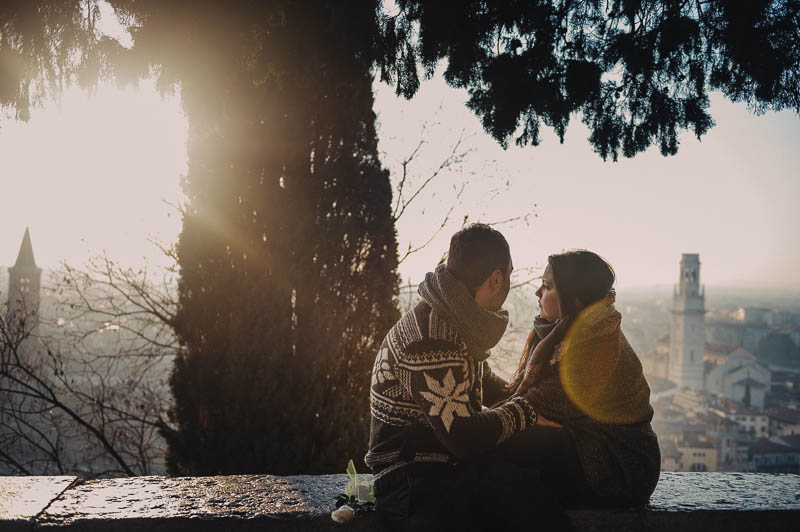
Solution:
(767, 446)
(25, 257)
(719, 349)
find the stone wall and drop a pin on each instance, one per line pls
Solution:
(687, 502)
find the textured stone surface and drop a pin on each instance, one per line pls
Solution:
(725, 491)
(699, 502)
(689, 502)
(23, 498)
(239, 497)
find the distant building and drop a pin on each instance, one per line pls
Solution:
(793, 331)
(725, 433)
(740, 378)
(785, 390)
(687, 331)
(691, 400)
(660, 388)
(775, 455)
(752, 421)
(24, 283)
(675, 430)
(784, 421)
(22, 320)
(670, 457)
(754, 316)
(716, 354)
(697, 453)
(656, 362)
(746, 335)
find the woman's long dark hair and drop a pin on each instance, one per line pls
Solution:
(581, 278)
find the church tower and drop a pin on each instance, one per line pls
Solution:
(24, 280)
(687, 333)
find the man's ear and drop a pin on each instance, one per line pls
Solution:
(496, 280)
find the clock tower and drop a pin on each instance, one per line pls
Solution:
(687, 332)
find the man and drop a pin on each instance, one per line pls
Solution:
(429, 433)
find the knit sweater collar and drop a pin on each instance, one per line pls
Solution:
(480, 328)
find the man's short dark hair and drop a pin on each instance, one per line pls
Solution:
(475, 252)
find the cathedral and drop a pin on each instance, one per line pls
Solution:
(736, 375)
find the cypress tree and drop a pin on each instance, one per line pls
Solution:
(288, 251)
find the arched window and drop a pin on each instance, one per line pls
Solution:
(698, 468)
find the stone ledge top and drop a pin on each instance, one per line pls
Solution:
(222, 497)
(23, 498)
(58, 501)
(726, 491)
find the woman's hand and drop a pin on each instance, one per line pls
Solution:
(526, 382)
(542, 421)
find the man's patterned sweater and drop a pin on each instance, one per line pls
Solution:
(427, 395)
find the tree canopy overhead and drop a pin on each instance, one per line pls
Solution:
(636, 71)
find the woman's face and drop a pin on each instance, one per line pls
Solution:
(549, 306)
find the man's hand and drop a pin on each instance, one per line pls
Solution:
(542, 421)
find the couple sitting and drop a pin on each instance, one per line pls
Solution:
(454, 447)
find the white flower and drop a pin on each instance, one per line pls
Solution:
(343, 515)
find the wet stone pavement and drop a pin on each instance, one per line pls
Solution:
(22, 499)
(683, 501)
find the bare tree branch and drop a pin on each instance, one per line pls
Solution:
(87, 393)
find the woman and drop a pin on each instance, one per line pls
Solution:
(579, 371)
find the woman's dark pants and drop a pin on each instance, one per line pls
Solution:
(519, 486)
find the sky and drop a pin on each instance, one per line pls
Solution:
(96, 173)
(101, 173)
(731, 196)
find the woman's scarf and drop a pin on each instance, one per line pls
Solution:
(480, 328)
(584, 368)
(533, 352)
(543, 327)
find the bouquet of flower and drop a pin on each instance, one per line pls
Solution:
(358, 497)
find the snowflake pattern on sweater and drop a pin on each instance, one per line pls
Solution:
(447, 398)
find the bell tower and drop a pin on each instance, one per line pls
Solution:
(24, 281)
(687, 333)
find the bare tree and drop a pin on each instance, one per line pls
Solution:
(83, 382)
(430, 178)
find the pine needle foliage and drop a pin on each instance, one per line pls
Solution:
(636, 72)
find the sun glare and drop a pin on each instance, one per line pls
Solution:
(94, 172)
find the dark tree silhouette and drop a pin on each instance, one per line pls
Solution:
(747, 397)
(288, 252)
(636, 71)
(779, 350)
